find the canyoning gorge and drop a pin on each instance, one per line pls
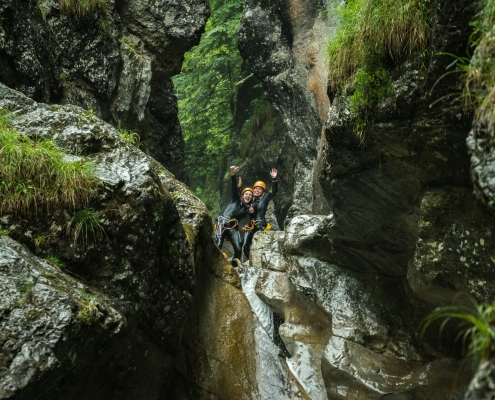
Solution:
(119, 120)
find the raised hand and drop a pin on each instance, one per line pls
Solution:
(233, 170)
(273, 173)
(239, 184)
(251, 209)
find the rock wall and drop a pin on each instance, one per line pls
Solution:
(397, 231)
(108, 324)
(283, 44)
(116, 61)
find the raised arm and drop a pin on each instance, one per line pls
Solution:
(274, 174)
(235, 190)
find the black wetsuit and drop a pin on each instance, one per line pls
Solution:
(260, 205)
(235, 210)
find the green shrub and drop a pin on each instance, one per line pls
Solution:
(369, 33)
(85, 224)
(477, 325)
(36, 175)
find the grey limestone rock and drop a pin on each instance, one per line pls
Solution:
(142, 266)
(106, 61)
(482, 387)
(283, 45)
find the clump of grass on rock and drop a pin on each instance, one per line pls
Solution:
(83, 7)
(38, 175)
(480, 83)
(370, 35)
(85, 224)
(477, 326)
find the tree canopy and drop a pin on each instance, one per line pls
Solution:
(206, 90)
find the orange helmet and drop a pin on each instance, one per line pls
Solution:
(260, 184)
(246, 190)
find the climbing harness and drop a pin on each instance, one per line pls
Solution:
(251, 226)
(221, 228)
(255, 223)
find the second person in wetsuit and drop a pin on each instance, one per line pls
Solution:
(227, 223)
(258, 210)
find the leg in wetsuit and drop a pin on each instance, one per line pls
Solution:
(219, 234)
(235, 239)
(248, 240)
(233, 235)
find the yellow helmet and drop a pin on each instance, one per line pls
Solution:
(260, 184)
(246, 190)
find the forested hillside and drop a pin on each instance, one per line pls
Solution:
(206, 90)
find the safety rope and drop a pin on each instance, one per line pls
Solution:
(256, 223)
(222, 221)
(251, 226)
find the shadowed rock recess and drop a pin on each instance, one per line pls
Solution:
(117, 61)
(377, 232)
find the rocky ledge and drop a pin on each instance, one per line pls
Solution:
(107, 324)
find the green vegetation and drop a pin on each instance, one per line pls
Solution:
(371, 36)
(477, 325)
(85, 224)
(87, 312)
(156, 217)
(129, 136)
(128, 43)
(479, 90)
(90, 114)
(42, 240)
(4, 232)
(34, 174)
(55, 261)
(262, 121)
(206, 90)
(26, 288)
(83, 7)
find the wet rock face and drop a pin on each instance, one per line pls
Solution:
(401, 232)
(40, 306)
(387, 218)
(139, 273)
(227, 351)
(283, 45)
(348, 333)
(483, 384)
(107, 61)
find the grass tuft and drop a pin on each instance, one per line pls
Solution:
(83, 7)
(55, 261)
(84, 225)
(479, 90)
(130, 137)
(370, 35)
(88, 311)
(477, 326)
(37, 174)
(394, 27)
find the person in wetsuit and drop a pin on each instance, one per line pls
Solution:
(227, 223)
(258, 210)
